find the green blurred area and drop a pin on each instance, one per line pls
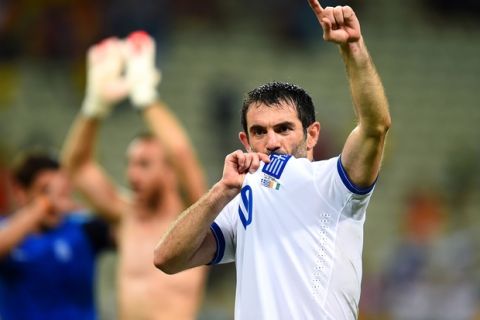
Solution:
(429, 62)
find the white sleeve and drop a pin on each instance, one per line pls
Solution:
(224, 230)
(335, 186)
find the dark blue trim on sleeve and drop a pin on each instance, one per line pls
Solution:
(218, 234)
(346, 181)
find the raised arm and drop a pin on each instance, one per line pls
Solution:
(189, 242)
(363, 150)
(104, 87)
(23, 222)
(168, 130)
(44, 202)
(143, 78)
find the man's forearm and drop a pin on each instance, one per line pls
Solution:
(366, 87)
(22, 223)
(185, 245)
(164, 125)
(80, 143)
(168, 130)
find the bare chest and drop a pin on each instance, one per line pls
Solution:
(137, 240)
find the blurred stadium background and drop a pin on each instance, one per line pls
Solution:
(421, 244)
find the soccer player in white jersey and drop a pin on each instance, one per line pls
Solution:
(293, 227)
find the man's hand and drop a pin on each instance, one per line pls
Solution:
(238, 164)
(42, 209)
(142, 75)
(59, 192)
(340, 24)
(105, 84)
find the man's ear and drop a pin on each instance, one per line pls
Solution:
(313, 132)
(244, 140)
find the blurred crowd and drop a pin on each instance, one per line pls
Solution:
(63, 29)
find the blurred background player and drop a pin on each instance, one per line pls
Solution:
(48, 247)
(162, 170)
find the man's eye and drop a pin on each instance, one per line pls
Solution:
(258, 131)
(282, 129)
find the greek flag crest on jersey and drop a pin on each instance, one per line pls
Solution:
(273, 170)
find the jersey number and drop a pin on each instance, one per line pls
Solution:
(245, 208)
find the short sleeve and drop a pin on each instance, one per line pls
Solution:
(99, 235)
(224, 230)
(334, 185)
(349, 184)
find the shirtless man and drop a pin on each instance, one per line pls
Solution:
(159, 164)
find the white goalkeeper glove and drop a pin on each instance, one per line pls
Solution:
(142, 75)
(105, 84)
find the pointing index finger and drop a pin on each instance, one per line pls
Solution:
(315, 5)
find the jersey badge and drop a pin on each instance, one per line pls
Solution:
(273, 170)
(276, 165)
(270, 182)
(63, 251)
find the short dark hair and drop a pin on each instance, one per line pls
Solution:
(273, 93)
(28, 165)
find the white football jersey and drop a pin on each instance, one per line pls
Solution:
(295, 232)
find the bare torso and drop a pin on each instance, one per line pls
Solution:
(146, 293)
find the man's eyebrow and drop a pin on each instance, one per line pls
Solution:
(285, 123)
(280, 124)
(256, 127)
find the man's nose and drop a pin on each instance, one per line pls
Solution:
(273, 142)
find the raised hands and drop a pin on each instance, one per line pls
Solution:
(141, 73)
(105, 84)
(117, 68)
(340, 24)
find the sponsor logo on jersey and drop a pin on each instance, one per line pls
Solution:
(63, 251)
(270, 182)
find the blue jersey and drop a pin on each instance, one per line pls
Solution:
(50, 275)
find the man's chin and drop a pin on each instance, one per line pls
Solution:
(144, 200)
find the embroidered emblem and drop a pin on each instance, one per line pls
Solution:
(276, 165)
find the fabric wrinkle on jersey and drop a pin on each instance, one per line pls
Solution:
(295, 232)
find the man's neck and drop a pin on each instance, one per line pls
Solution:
(162, 206)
